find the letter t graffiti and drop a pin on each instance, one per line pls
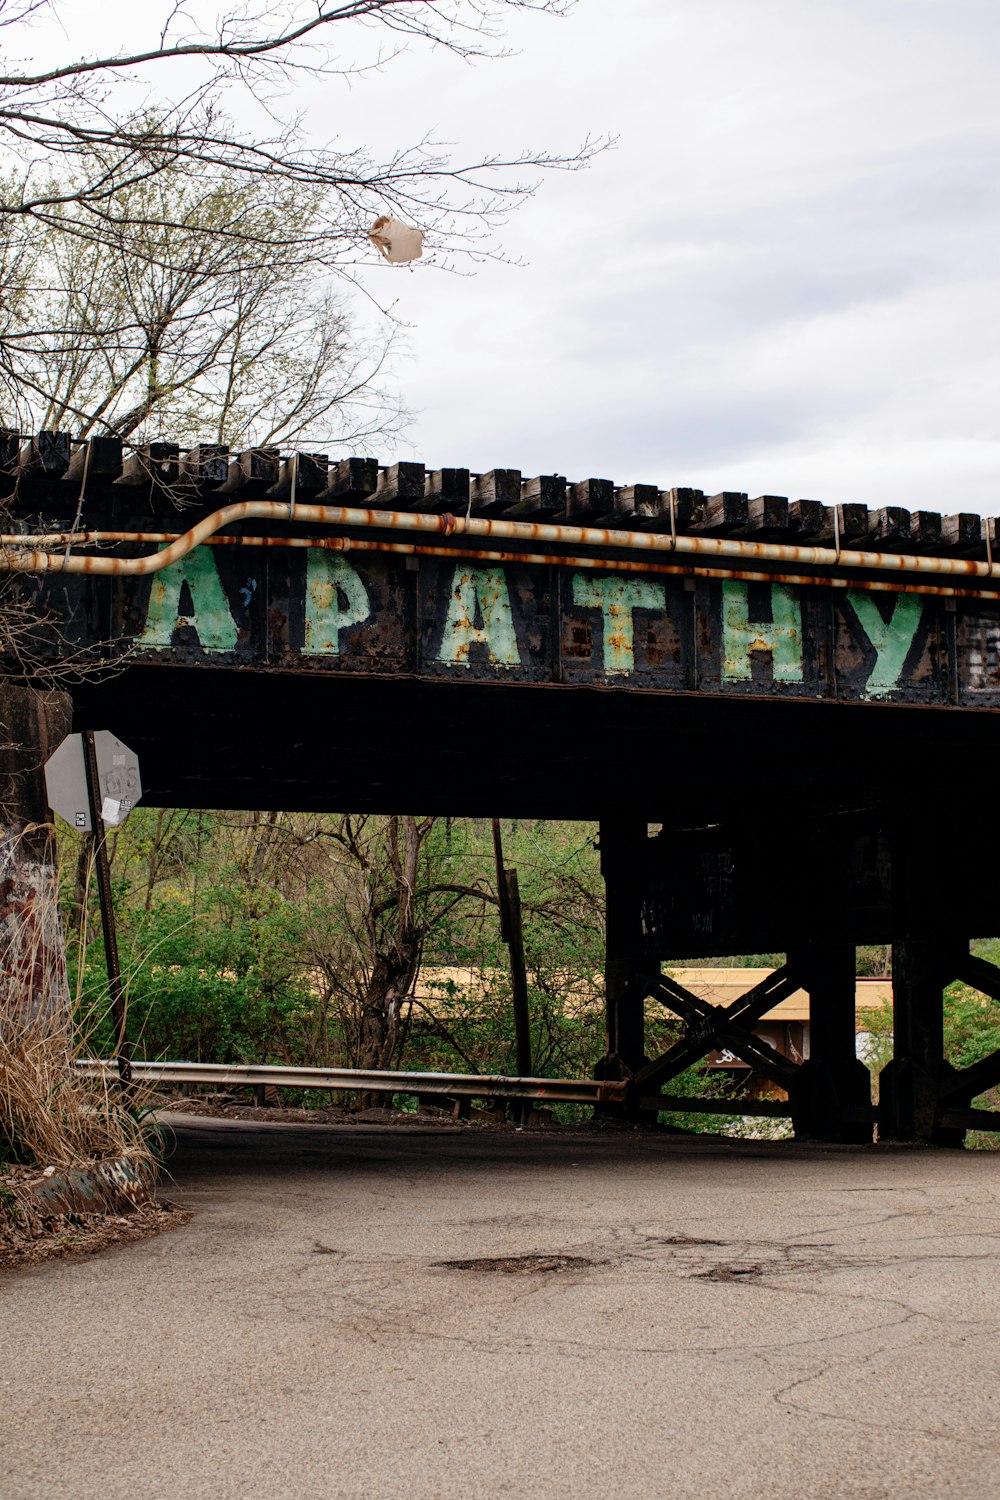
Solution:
(616, 598)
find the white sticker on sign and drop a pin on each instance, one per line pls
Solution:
(117, 773)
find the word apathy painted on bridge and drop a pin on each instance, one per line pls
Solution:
(319, 609)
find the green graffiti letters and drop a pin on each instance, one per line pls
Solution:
(479, 592)
(783, 637)
(210, 617)
(479, 612)
(891, 639)
(335, 598)
(616, 598)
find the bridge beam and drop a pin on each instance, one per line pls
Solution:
(33, 982)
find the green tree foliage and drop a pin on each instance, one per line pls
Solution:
(351, 941)
(375, 941)
(299, 939)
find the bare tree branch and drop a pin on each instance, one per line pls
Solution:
(69, 113)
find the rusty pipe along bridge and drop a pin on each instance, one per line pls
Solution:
(802, 700)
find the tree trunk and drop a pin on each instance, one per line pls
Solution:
(33, 985)
(390, 982)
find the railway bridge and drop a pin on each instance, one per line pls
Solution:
(784, 716)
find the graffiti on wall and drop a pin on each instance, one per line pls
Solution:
(451, 618)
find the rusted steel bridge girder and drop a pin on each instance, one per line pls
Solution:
(780, 685)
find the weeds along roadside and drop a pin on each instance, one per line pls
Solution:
(50, 1114)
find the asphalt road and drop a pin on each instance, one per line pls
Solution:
(737, 1321)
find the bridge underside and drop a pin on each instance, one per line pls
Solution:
(801, 828)
(243, 738)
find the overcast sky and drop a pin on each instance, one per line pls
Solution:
(783, 279)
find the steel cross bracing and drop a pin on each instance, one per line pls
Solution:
(948, 1092)
(708, 1026)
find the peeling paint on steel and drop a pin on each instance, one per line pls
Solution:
(890, 639)
(336, 598)
(331, 610)
(479, 610)
(781, 636)
(210, 616)
(617, 598)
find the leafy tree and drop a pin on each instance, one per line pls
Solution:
(325, 921)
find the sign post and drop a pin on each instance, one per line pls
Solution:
(93, 783)
(100, 835)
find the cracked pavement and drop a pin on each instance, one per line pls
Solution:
(682, 1317)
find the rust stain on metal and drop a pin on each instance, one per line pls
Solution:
(526, 602)
(18, 558)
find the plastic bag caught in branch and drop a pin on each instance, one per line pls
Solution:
(398, 242)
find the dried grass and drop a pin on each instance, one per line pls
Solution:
(53, 1116)
(50, 1115)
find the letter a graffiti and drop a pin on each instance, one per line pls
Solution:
(479, 594)
(210, 617)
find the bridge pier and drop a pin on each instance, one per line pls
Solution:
(912, 1082)
(926, 920)
(923, 881)
(622, 844)
(33, 983)
(830, 1093)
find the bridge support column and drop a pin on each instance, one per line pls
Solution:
(923, 954)
(831, 1092)
(911, 1082)
(623, 842)
(32, 955)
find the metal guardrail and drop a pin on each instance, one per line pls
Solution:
(450, 1085)
(359, 1080)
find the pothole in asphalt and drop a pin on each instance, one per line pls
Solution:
(686, 1241)
(520, 1265)
(730, 1273)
